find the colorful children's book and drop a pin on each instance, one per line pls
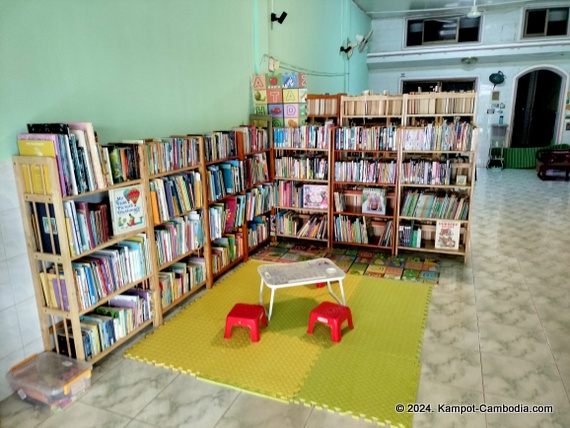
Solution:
(127, 209)
(447, 235)
(315, 196)
(374, 200)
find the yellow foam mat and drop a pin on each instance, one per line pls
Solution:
(372, 368)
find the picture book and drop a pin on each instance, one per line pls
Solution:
(374, 200)
(127, 209)
(447, 235)
(315, 196)
(376, 271)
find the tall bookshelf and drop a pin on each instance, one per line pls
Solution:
(94, 289)
(225, 178)
(177, 193)
(257, 148)
(364, 186)
(303, 177)
(437, 177)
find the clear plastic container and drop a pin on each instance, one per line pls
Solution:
(50, 379)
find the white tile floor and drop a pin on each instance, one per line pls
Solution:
(498, 332)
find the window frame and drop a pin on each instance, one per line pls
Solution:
(547, 10)
(422, 20)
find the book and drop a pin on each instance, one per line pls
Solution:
(47, 228)
(374, 200)
(127, 209)
(31, 145)
(315, 196)
(447, 235)
(393, 272)
(376, 271)
(358, 268)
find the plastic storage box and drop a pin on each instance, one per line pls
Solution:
(50, 379)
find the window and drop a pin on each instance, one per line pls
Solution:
(449, 30)
(546, 22)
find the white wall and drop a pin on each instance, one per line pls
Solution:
(499, 29)
(19, 322)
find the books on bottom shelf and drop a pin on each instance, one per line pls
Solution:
(179, 278)
(257, 231)
(447, 235)
(226, 250)
(107, 324)
(302, 225)
(410, 235)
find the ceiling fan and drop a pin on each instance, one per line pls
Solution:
(474, 12)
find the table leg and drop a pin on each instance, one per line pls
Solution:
(271, 304)
(341, 301)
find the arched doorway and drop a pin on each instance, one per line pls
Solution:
(536, 110)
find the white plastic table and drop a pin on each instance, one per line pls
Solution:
(283, 275)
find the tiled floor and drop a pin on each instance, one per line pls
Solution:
(498, 332)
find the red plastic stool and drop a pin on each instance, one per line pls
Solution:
(246, 316)
(333, 315)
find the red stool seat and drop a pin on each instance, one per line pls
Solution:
(247, 316)
(333, 315)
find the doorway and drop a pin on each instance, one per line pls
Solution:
(536, 109)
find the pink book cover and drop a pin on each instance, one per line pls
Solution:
(315, 196)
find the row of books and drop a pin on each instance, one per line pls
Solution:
(410, 236)
(351, 229)
(292, 223)
(302, 167)
(365, 171)
(108, 324)
(306, 136)
(171, 154)
(225, 178)
(174, 195)
(77, 153)
(226, 215)
(366, 138)
(443, 137)
(252, 139)
(179, 236)
(226, 250)
(124, 162)
(220, 145)
(310, 196)
(435, 205)
(107, 270)
(256, 169)
(426, 172)
(322, 106)
(88, 226)
(179, 278)
(439, 103)
(257, 231)
(259, 200)
(372, 105)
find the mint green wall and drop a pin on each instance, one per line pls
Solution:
(149, 68)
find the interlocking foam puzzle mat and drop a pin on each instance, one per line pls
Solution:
(375, 366)
(357, 261)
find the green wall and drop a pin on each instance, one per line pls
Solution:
(150, 68)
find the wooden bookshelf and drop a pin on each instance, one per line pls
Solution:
(76, 295)
(177, 187)
(378, 109)
(303, 176)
